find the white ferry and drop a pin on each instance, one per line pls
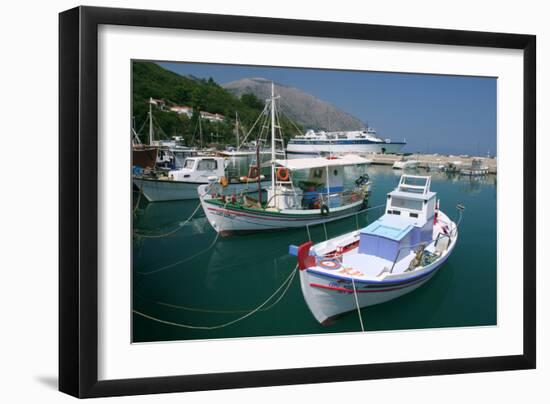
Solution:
(361, 141)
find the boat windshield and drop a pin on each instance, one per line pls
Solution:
(189, 163)
(414, 184)
(179, 161)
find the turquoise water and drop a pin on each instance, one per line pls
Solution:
(183, 274)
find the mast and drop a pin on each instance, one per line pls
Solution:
(237, 129)
(200, 128)
(273, 154)
(150, 121)
(259, 173)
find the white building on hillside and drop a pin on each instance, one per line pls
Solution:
(212, 117)
(182, 109)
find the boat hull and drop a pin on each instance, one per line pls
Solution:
(165, 190)
(330, 296)
(228, 220)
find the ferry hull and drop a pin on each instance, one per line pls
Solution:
(319, 149)
(166, 190)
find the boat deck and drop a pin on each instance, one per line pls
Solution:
(365, 266)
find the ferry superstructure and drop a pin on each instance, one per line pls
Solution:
(323, 143)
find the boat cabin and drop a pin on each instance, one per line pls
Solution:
(307, 183)
(407, 222)
(199, 169)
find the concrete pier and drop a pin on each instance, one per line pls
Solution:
(427, 159)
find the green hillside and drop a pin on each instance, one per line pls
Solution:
(151, 80)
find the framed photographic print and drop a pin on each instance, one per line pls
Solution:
(251, 202)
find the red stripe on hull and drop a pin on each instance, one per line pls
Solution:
(231, 212)
(346, 290)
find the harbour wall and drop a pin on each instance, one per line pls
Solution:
(427, 159)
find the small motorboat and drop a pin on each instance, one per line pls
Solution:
(477, 168)
(404, 164)
(389, 258)
(435, 166)
(182, 183)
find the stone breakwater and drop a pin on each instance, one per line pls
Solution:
(425, 160)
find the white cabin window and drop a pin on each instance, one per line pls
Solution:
(180, 160)
(189, 163)
(207, 165)
(406, 203)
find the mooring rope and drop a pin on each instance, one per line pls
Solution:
(173, 264)
(357, 304)
(220, 311)
(186, 258)
(288, 280)
(355, 295)
(308, 233)
(171, 232)
(138, 201)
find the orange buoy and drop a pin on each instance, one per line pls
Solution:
(224, 181)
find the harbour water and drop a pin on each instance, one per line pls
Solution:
(183, 275)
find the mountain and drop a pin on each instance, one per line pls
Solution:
(299, 106)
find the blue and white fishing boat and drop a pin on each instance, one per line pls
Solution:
(391, 257)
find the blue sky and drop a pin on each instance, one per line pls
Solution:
(434, 113)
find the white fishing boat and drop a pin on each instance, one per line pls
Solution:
(391, 257)
(436, 166)
(476, 168)
(303, 192)
(321, 196)
(182, 183)
(404, 164)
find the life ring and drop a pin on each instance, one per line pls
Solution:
(283, 174)
(224, 181)
(253, 172)
(324, 210)
(329, 264)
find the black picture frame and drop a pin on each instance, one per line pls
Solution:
(78, 201)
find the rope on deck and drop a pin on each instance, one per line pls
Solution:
(286, 283)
